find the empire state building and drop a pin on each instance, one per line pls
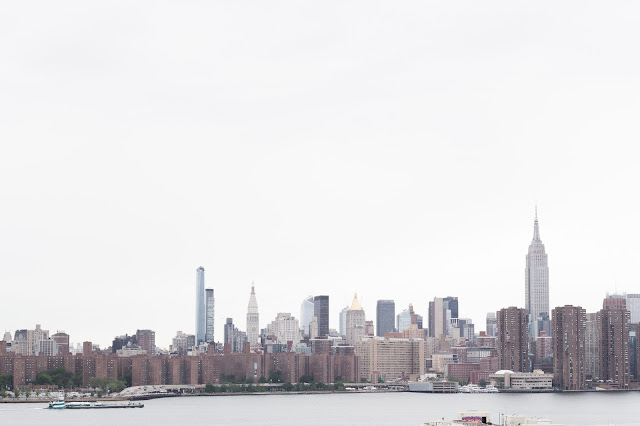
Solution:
(536, 281)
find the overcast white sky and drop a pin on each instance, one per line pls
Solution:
(396, 149)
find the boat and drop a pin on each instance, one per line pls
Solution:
(61, 404)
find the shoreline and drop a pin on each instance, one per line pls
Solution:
(150, 397)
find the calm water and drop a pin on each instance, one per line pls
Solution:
(343, 409)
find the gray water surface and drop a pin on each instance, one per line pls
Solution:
(595, 408)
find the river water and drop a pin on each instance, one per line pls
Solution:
(593, 408)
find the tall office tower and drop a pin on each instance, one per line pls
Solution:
(385, 317)
(306, 314)
(146, 340)
(253, 320)
(633, 306)
(492, 328)
(569, 328)
(536, 281)
(452, 305)
(403, 319)
(614, 346)
(210, 307)
(355, 322)
(439, 317)
(343, 320)
(513, 339)
(200, 314)
(592, 347)
(614, 301)
(321, 311)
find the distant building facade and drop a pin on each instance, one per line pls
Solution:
(385, 317)
(321, 311)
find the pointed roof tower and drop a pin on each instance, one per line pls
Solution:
(253, 302)
(355, 305)
(536, 229)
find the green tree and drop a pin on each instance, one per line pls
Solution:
(209, 388)
(27, 393)
(275, 376)
(6, 381)
(306, 379)
(288, 387)
(262, 379)
(482, 383)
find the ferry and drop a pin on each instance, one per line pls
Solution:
(61, 404)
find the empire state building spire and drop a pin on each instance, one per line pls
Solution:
(536, 229)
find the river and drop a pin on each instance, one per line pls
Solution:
(403, 408)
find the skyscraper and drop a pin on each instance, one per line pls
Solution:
(440, 316)
(513, 345)
(492, 329)
(536, 280)
(343, 321)
(355, 322)
(614, 345)
(633, 305)
(321, 311)
(592, 347)
(253, 320)
(306, 314)
(385, 317)
(200, 313)
(569, 364)
(210, 315)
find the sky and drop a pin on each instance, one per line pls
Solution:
(393, 149)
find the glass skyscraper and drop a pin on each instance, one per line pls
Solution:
(200, 307)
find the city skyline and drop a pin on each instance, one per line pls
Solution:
(393, 150)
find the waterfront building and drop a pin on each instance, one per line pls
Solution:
(285, 328)
(613, 323)
(355, 322)
(536, 281)
(592, 347)
(306, 314)
(210, 306)
(389, 359)
(491, 327)
(633, 306)
(146, 340)
(200, 307)
(569, 327)
(385, 317)
(633, 351)
(343, 321)
(253, 319)
(538, 380)
(513, 350)
(321, 311)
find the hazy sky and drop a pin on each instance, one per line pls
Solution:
(396, 149)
